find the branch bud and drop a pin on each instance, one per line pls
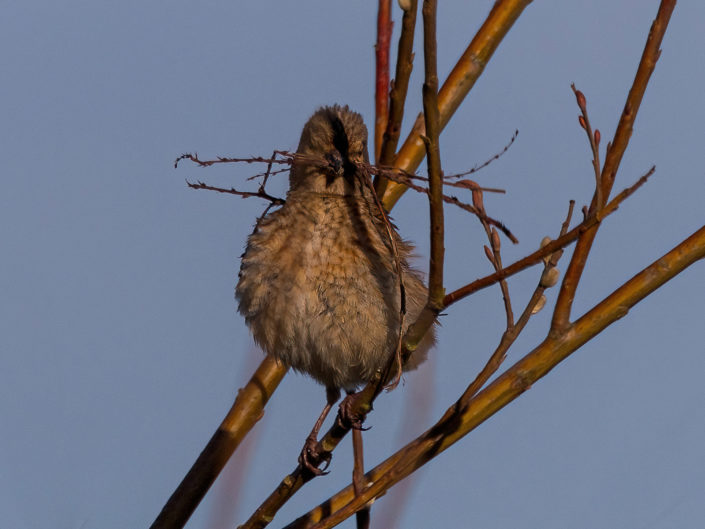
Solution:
(580, 97)
(489, 253)
(581, 120)
(496, 244)
(544, 242)
(597, 136)
(477, 200)
(539, 305)
(550, 276)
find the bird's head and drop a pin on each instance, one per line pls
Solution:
(336, 137)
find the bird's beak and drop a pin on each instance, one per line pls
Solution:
(335, 162)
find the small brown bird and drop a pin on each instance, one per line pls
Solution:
(318, 285)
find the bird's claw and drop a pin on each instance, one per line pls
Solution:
(348, 417)
(311, 457)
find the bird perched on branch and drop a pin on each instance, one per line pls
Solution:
(319, 284)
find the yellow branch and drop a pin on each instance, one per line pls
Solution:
(247, 409)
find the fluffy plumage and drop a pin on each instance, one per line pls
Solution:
(317, 283)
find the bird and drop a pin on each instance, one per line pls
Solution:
(318, 284)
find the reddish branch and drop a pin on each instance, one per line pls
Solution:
(594, 140)
(384, 37)
(494, 254)
(399, 86)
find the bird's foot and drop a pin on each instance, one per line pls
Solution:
(312, 455)
(348, 414)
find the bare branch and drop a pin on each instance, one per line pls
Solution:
(433, 157)
(493, 253)
(359, 481)
(260, 193)
(221, 159)
(384, 37)
(399, 87)
(247, 409)
(546, 250)
(487, 162)
(564, 303)
(594, 140)
(458, 84)
(512, 332)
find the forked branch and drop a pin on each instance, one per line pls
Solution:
(615, 151)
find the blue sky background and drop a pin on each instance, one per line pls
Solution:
(120, 345)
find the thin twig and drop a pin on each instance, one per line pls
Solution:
(291, 158)
(512, 332)
(493, 254)
(221, 159)
(487, 162)
(550, 248)
(396, 175)
(267, 173)
(260, 193)
(594, 140)
(624, 194)
(399, 86)
(271, 173)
